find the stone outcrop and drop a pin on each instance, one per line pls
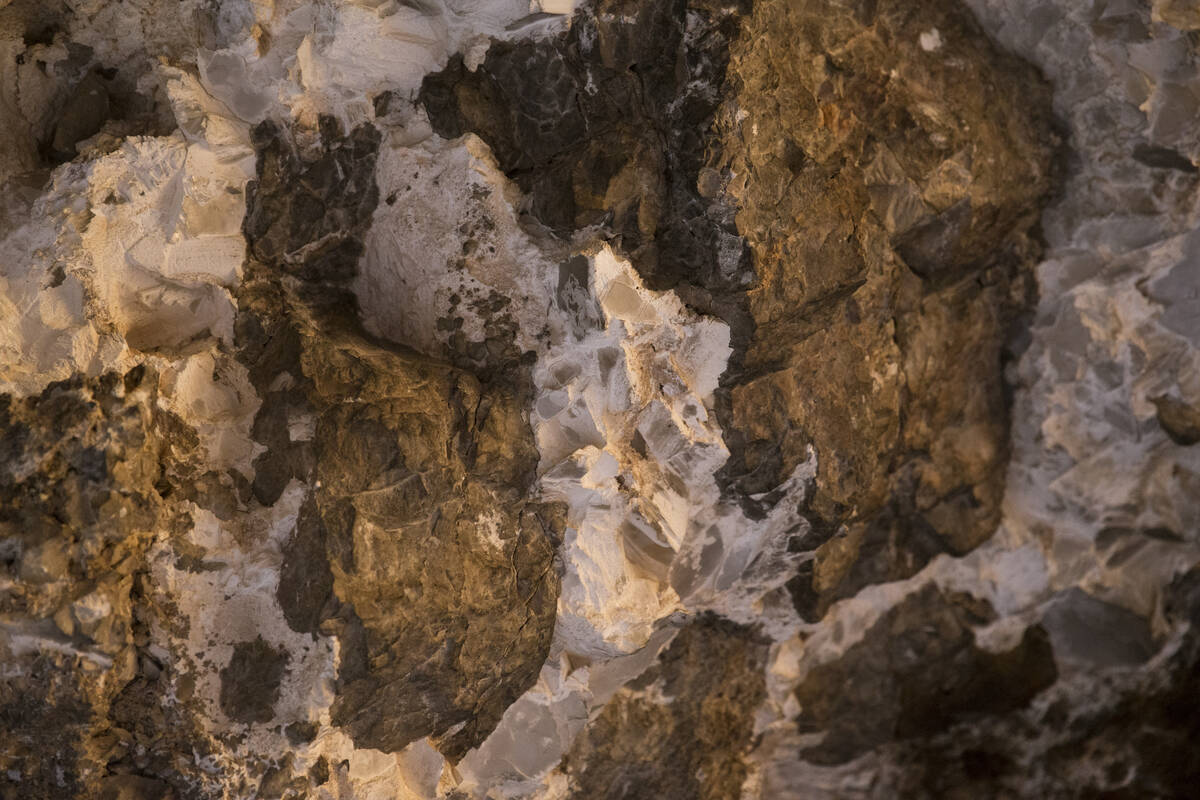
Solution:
(90, 464)
(417, 544)
(860, 211)
(684, 727)
(606, 127)
(917, 672)
(789, 399)
(889, 178)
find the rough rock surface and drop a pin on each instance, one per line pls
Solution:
(90, 465)
(888, 196)
(859, 209)
(605, 399)
(416, 546)
(683, 727)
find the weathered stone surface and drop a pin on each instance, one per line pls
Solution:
(88, 463)
(606, 126)
(250, 681)
(615, 398)
(858, 211)
(916, 673)
(1141, 740)
(684, 727)
(887, 190)
(1179, 420)
(418, 546)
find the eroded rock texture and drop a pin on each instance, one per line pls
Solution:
(417, 545)
(889, 194)
(917, 672)
(683, 727)
(606, 126)
(89, 465)
(604, 399)
(859, 212)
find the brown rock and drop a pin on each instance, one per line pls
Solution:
(887, 193)
(860, 208)
(1179, 420)
(134, 787)
(88, 462)
(418, 544)
(694, 745)
(915, 673)
(250, 681)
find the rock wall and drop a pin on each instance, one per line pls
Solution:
(615, 399)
